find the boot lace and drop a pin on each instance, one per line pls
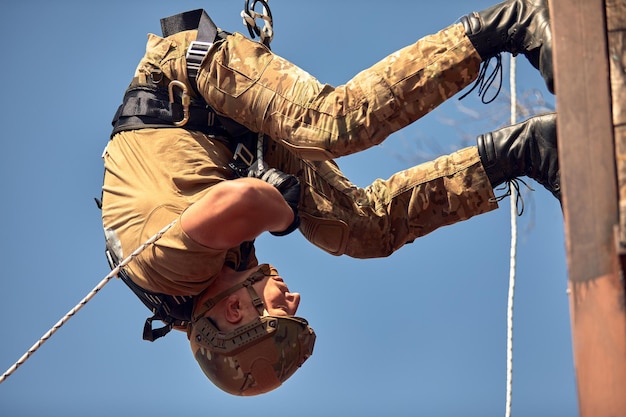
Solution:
(484, 82)
(513, 187)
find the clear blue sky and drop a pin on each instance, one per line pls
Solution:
(422, 332)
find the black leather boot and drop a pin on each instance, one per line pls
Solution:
(525, 149)
(515, 26)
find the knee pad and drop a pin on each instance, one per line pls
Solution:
(330, 235)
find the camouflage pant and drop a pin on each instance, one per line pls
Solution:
(268, 94)
(377, 220)
(311, 123)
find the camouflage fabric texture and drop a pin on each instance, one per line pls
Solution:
(310, 123)
(317, 122)
(377, 220)
(242, 79)
(278, 347)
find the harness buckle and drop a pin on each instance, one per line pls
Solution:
(185, 99)
(241, 151)
(195, 55)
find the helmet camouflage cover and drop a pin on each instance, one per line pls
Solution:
(256, 357)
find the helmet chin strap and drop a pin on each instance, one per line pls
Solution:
(248, 284)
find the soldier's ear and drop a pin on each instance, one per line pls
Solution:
(233, 309)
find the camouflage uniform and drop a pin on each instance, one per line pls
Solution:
(310, 124)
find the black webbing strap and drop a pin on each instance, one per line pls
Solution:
(171, 310)
(207, 33)
(190, 20)
(146, 106)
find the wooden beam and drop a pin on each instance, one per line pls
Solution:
(587, 155)
(616, 30)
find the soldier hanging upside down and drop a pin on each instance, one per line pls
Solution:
(201, 96)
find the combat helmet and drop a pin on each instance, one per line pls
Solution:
(256, 357)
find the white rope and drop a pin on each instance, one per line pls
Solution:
(509, 338)
(84, 301)
(261, 165)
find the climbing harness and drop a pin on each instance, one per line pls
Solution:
(153, 101)
(157, 102)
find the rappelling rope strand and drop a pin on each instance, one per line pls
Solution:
(514, 215)
(261, 165)
(84, 301)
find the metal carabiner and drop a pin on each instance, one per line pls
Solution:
(250, 16)
(185, 99)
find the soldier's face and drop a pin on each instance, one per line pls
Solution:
(279, 301)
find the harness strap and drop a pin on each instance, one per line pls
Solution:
(148, 106)
(171, 310)
(198, 49)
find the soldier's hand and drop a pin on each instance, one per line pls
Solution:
(289, 187)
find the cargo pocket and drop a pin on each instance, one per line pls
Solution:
(236, 52)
